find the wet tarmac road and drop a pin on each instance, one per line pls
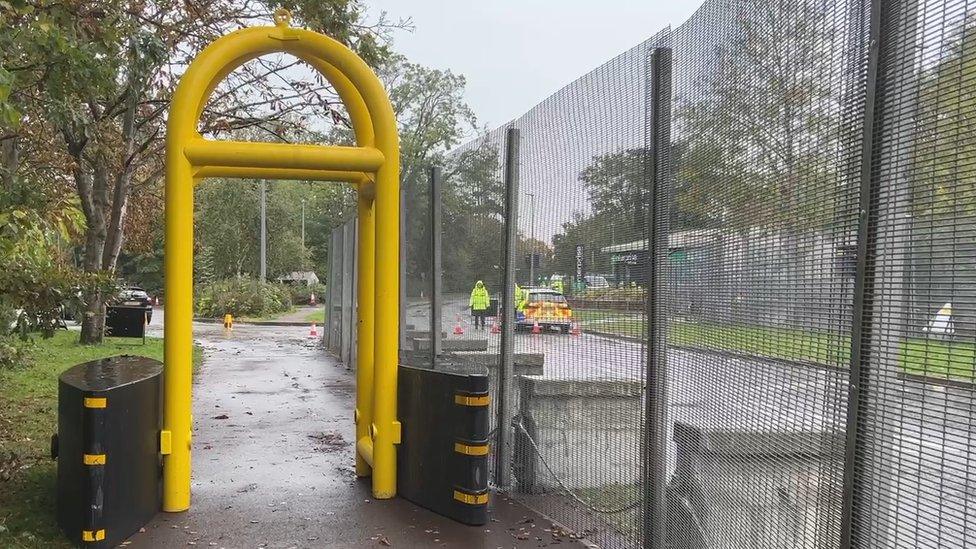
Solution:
(273, 459)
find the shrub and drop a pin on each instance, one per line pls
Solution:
(300, 293)
(241, 297)
(14, 352)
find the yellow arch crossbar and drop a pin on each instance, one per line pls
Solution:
(373, 165)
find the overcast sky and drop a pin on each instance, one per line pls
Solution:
(514, 53)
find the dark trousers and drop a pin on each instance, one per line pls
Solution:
(479, 318)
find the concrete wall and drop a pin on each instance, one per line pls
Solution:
(754, 488)
(588, 431)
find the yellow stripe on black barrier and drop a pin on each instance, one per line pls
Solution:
(475, 450)
(96, 402)
(471, 499)
(88, 535)
(471, 400)
(94, 459)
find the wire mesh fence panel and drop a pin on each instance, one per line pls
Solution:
(580, 248)
(416, 341)
(817, 211)
(913, 460)
(473, 235)
(765, 146)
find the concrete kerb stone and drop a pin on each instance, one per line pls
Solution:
(423, 344)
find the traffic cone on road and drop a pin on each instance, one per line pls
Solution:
(496, 327)
(458, 329)
(536, 329)
(314, 332)
(574, 329)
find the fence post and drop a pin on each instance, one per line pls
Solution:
(657, 172)
(403, 268)
(506, 380)
(435, 264)
(867, 230)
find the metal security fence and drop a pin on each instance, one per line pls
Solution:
(738, 263)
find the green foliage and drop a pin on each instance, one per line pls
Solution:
(14, 352)
(35, 275)
(241, 297)
(757, 148)
(228, 227)
(300, 293)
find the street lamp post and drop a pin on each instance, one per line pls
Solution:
(264, 231)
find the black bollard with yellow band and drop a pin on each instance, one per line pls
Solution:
(107, 449)
(443, 453)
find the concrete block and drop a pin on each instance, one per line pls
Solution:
(423, 344)
(588, 431)
(424, 334)
(738, 486)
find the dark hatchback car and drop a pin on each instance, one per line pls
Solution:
(134, 296)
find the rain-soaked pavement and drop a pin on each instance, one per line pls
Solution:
(273, 455)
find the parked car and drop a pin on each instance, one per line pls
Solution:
(548, 308)
(134, 296)
(596, 281)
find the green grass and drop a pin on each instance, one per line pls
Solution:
(952, 360)
(318, 316)
(614, 497)
(28, 418)
(947, 360)
(807, 346)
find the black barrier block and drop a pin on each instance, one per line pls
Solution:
(442, 459)
(122, 321)
(107, 448)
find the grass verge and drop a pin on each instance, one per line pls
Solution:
(318, 316)
(28, 418)
(933, 358)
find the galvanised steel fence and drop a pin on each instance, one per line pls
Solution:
(745, 258)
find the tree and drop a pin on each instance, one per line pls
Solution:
(933, 197)
(761, 142)
(100, 74)
(432, 118)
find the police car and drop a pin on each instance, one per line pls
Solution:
(547, 308)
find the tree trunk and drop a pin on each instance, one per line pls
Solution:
(93, 320)
(93, 190)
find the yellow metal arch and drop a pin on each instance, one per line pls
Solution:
(373, 165)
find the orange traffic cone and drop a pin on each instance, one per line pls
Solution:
(496, 327)
(458, 330)
(574, 329)
(313, 332)
(536, 329)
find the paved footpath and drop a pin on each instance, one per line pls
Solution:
(273, 455)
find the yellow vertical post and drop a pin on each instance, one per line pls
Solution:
(178, 343)
(365, 340)
(386, 428)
